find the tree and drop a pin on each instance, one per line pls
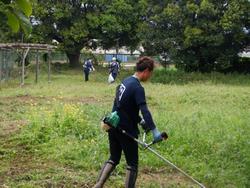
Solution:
(200, 35)
(121, 22)
(74, 24)
(87, 23)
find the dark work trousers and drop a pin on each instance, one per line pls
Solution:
(114, 75)
(86, 73)
(119, 142)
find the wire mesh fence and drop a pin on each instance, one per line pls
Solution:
(8, 64)
(11, 61)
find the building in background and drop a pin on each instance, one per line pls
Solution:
(123, 54)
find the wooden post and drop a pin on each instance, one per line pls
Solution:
(23, 65)
(37, 65)
(104, 57)
(4, 65)
(22, 76)
(1, 64)
(117, 48)
(49, 61)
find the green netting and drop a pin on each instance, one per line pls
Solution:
(8, 64)
(11, 61)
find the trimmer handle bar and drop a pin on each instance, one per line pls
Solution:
(164, 136)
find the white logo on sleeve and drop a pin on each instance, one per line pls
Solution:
(121, 91)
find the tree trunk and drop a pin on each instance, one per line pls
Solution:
(73, 58)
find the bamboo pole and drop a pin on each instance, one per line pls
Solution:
(2, 53)
(23, 65)
(49, 66)
(37, 65)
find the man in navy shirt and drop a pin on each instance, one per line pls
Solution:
(87, 67)
(129, 100)
(114, 68)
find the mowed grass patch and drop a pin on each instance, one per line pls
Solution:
(207, 123)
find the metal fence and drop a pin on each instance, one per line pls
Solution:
(10, 60)
(8, 64)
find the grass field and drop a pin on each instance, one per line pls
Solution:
(50, 136)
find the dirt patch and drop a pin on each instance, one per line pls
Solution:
(27, 99)
(23, 167)
(163, 178)
(9, 127)
(163, 181)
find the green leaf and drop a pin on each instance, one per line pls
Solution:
(6, 1)
(13, 21)
(25, 23)
(25, 6)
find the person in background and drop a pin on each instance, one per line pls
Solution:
(87, 68)
(129, 100)
(114, 69)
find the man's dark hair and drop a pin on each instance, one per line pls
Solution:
(144, 63)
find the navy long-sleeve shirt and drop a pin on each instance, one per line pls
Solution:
(114, 67)
(129, 100)
(88, 66)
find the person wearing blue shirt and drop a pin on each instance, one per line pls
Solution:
(87, 68)
(114, 69)
(129, 100)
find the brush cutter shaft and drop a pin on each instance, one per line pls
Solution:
(135, 139)
(171, 164)
(147, 146)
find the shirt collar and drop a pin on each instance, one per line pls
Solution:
(136, 77)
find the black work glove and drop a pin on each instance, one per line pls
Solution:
(144, 126)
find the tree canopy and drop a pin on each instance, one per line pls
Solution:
(16, 14)
(86, 23)
(121, 22)
(199, 35)
(196, 35)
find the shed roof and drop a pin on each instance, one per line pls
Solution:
(26, 46)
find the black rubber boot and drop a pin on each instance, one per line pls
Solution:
(107, 168)
(131, 176)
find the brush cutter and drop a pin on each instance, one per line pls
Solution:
(147, 146)
(112, 120)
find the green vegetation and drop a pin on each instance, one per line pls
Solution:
(202, 35)
(87, 24)
(16, 14)
(50, 136)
